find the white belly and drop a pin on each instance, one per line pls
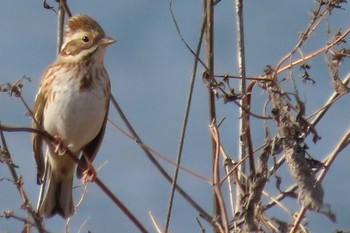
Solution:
(75, 116)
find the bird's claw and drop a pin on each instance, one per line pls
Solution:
(60, 149)
(89, 175)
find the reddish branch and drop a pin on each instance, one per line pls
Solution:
(50, 139)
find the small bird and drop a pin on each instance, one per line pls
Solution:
(71, 105)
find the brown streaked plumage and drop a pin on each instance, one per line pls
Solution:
(71, 105)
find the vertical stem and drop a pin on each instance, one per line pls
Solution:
(184, 127)
(60, 26)
(209, 38)
(242, 72)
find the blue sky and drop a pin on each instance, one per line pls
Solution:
(150, 70)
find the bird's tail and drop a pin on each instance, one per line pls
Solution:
(58, 198)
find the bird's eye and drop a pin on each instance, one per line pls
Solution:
(85, 39)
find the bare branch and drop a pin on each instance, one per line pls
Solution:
(19, 184)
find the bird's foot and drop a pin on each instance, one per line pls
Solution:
(60, 148)
(89, 174)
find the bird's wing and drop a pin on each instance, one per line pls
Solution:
(38, 111)
(37, 123)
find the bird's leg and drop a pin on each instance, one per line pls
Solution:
(60, 148)
(89, 174)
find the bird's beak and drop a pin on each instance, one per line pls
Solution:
(107, 41)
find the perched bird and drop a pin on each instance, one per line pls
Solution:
(71, 105)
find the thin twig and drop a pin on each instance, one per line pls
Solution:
(155, 224)
(342, 144)
(10, 214)
(248, 137)
(280, 197)
(233, 169)
(183, 39)
(298, 220)
(335, 96)
(184, 126)
(216, 178)
(315, 20)
(315, 53)
(163, 157)
(202, 212)
(250, 113)
(120, 205)
(229, 170)
(83, 224)
(276, 201)
(19, 184)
